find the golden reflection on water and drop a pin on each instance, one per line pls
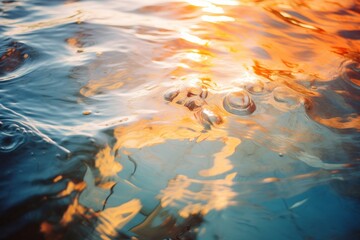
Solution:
(193, 39)
(213, 195)
(280, 58)
(114, 219)
(106, 164)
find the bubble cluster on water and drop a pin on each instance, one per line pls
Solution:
(190, 97)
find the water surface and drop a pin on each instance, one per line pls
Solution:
(191, 119)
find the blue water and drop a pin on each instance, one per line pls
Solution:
(191, 119)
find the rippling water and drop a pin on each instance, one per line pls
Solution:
(190, 119)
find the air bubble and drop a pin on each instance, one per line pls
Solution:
(255, 88)
(239, 103)
(204, 94)
(171, 94)
(194, 103)
(196, 91)
(210, 117)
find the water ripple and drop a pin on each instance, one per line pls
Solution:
(137, 120)
(11, 137)
(15, 60)
(351, 74)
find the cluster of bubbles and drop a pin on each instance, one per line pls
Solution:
(194, 98)
(238, 101)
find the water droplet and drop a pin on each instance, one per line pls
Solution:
(194, 103)
(171, 94)
(204, 94)
(239, 103)
(210, 117)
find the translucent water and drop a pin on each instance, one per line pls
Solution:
(189, 119)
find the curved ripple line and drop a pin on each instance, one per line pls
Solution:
(290, 19)
(16, 61)
(350, 72)
(11, 137)
(27, 123)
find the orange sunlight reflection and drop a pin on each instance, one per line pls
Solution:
(226, 75)
(193, 39)
(214, 195)
(107, 165)
(114, 219)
